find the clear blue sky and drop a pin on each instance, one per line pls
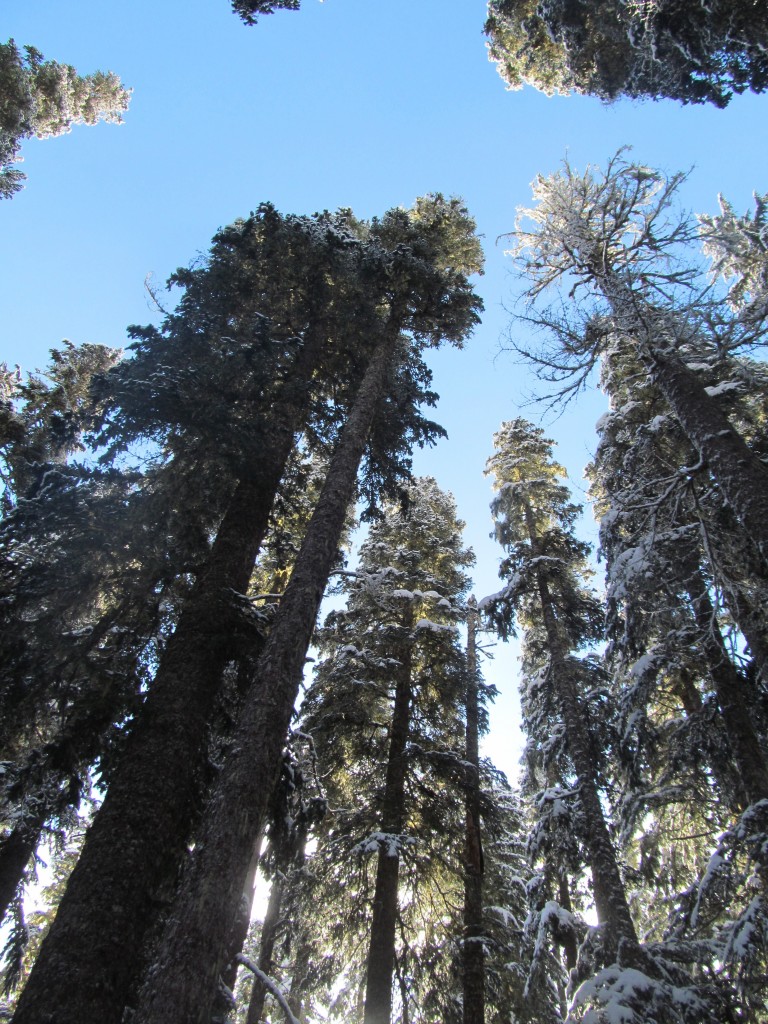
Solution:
(346, 103)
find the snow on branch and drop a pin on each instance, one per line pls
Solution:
(269, 985)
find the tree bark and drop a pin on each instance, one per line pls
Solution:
(182, 982)
(473, 953)
(222, 1008)
(89, 963)
(737, 470)
(380, 964)
(266, 948)
(15, 854)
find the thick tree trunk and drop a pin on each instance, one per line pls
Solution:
(380, 964)
(472, 954)
(180, 986)
(222, 1008)
(88, 964)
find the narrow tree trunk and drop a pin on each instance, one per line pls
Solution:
(473, 959)
(613, 912)
(380, 964)
(16, 852)
(181, 984)
(222, 1008)
(88, 964)
(570, 945)
(299, 978)
(266, 948)
(732, 697)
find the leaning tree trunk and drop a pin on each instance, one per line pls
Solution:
(222, 1003)
(266, 948)
(88, 964)
(738, 472)
(16, 851)
(732, 696)
(472, 952)
(181, 984)
(380, 964)
(613, 912)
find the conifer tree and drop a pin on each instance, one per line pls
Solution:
(664, 532)
(545, 568)
(425, 252)
(620, 238)
(163, 395)
(385, 714)
(610, 48)
(44, 98)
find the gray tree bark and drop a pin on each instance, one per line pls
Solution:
(182, 982)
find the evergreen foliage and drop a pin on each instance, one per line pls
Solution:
(700, 53)
(44, 98)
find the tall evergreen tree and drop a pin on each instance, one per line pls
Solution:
(473, 952)
(225, 386)
(425, 252)
(545, 567)
(546, 586)
(619, 237)
(660, 527)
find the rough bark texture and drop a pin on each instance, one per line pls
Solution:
(472, 953)
(380, 964)
(89, 962)
(222, 1007)
(181, 985)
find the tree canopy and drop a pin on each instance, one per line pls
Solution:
(702, 53)
(45, 98)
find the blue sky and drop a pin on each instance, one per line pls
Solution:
(345, 103)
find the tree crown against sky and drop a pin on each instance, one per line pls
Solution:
(45, 98)
(607, 48)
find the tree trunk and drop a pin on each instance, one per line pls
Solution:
(181, 984)
(613, 912)
(569, 941)
(299, 978)
(732, 697)
(472, 953)
(380, 964)
(16, 852)
(737, 470)
(266, 948)
(222, 1008)
(89, 963)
